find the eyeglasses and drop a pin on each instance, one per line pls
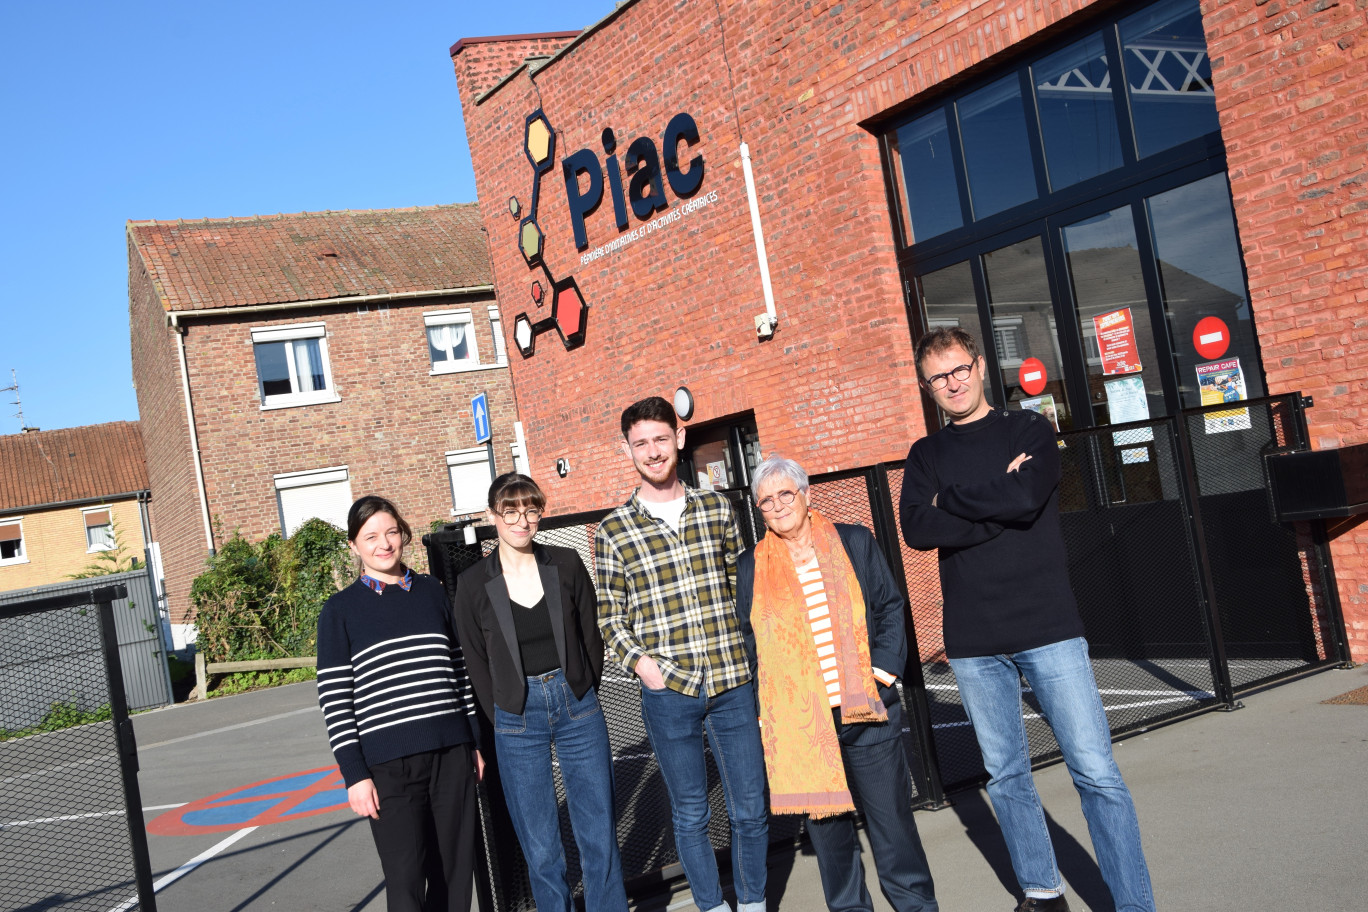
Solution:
(783, 497)
(961, 373)
(511, 515)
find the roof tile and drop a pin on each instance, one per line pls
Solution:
(80, 463)
(309, 256)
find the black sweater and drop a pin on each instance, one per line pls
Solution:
(391, 679)
(1003, 568)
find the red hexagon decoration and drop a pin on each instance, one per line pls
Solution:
(538, 293)
(569, 311)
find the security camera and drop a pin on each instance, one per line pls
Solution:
(764, 326)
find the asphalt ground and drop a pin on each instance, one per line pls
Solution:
(1262, 808)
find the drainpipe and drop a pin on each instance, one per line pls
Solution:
(766, 322)
(179, 330)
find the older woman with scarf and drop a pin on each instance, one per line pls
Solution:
(823, 621)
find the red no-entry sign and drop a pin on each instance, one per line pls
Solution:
(1211, 337)
(1031, 375)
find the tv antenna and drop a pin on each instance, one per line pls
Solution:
(14, 388)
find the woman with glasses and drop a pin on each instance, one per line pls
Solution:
(823, 622)
(527, 615)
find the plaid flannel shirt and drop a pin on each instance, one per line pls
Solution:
(671, 595)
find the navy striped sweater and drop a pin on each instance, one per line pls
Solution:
(391, 678)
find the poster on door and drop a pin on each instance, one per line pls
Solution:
(1126, 402)
(1043, 406)
(1218, 382)
(1116, 342)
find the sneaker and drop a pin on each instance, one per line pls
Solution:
(1054, 904)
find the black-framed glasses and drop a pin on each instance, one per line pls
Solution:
(510, 515)
(961, 373)
(783, 497)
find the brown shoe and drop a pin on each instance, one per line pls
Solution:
(1055, 904)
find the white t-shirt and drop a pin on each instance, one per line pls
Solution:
(670, 512)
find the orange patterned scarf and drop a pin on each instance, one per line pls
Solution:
(802, 752)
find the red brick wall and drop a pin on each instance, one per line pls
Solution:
(175, 506)
(1292, 90)
(392, 427)
(801, 83)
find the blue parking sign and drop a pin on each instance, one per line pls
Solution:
(479, 410)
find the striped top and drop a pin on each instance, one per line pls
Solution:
(819, 616)
(391, 678)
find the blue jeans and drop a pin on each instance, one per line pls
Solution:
(879, 773)
(523, 742)
(1061, 678)
(676, 724)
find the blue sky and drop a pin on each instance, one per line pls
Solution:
(166, 110)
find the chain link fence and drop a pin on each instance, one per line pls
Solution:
(71, 827)
(1189, 590)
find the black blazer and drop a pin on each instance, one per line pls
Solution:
(884, 619)
(484, 621)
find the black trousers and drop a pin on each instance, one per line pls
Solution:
(879, 773)
(426, 831)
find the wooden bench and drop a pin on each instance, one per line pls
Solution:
(204, 669)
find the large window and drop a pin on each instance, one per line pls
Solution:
(320, 493)
(1074, 210)
(451, 342)
(12, 542)
(470, 477)
(292, 365)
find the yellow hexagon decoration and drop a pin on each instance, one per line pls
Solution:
(538, 140)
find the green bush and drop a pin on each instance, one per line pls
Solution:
(243, 681)
(60, 715)
(261, 601)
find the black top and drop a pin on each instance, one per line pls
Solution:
(536, 639)
(391, 678)
(484, 616)
(1003, 568)
(884, 619)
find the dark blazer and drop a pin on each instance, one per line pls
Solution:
(883, 617)
(484, 620)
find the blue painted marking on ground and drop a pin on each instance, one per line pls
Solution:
(226, 814)
(278, 787)
(316, 802)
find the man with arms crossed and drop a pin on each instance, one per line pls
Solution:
(665, 568)
(985, 491)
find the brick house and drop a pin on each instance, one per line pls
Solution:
(287, 364)
(68, 495)
(768, 204)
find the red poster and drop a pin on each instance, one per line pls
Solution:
(1116, 341)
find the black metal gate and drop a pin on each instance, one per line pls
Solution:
(1190, 593)
(71, 826)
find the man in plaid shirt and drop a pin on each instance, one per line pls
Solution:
(665, 568)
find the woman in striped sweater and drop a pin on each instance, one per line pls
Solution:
(396, 701)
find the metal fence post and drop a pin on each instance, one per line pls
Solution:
(127, 746)
(1211, 617)
(885, 518)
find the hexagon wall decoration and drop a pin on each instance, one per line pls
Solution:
(569, 310)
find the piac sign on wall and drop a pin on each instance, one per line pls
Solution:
(636, 182)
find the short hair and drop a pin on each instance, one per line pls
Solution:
(365, 507)
(944, 338)
(513, 489)
(652, 408)
(777, 466)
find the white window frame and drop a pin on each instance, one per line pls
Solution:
(307, 478)
(500, 343)
(473, 456)
(466, 316)
(458, 317)
(23, 543)
(94, 549)
(269, 334)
